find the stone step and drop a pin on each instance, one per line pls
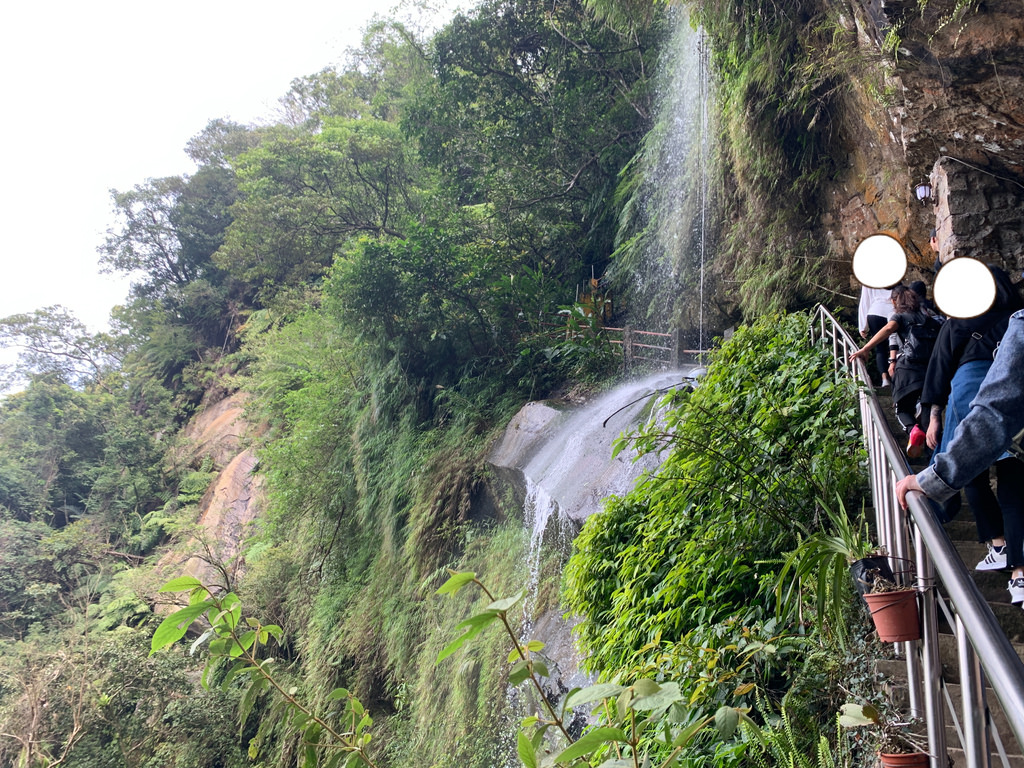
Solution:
(992, 584)
(959, 760)
(997, 715)
(962, 527)
(894, 672)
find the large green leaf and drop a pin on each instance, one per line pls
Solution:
(590, 741)
(592, 693)
(456, 582)
(181, 584)
(526, 751)
(174, 627)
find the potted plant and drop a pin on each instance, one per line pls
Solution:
(898, 745)
(842, 546)
(893, 609)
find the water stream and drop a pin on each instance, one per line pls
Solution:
(568, 473)
(568, 469)
(677, 209)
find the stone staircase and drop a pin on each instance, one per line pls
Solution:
(992, 584)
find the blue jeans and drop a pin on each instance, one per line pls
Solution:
(996, 416)
(988, 514)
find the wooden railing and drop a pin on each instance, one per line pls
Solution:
(652, 347)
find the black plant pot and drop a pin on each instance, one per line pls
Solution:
(865, 570)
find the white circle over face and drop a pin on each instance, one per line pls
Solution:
(964, 287)
(879, 261)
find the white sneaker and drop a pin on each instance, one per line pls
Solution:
(995, 560)
(1016, 589)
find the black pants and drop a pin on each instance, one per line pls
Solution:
(1010, 492)
(875, 324)
(909, 412)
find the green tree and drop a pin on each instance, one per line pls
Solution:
(182, 305)
(378, 78)
(535, 109)
(51, 441)
(53, 341)
(304, 194)
(169, 230)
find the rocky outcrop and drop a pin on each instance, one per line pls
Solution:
(978, 214)
(215, 432)
(520, 442)
(938, 98)
(227, 513)
(231, 504)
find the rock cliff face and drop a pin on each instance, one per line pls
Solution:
(232, 501)
(939, 100)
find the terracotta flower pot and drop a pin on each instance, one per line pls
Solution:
(895, 615)
(912, 760)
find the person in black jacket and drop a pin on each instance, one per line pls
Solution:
(962, 356)
(907, 366)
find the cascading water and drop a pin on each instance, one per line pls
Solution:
(565, 469)
(563, 461)
(664, 272)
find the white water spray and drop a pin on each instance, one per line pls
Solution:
(668, 278)
(568, 470)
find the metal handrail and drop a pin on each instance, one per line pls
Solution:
(942, 582)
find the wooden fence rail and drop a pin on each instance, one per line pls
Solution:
(651, 347)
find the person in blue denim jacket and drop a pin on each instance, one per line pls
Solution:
(995, 419)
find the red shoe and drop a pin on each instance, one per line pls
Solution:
(915, 445)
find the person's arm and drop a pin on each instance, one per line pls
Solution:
(883, 334)
(934, 419)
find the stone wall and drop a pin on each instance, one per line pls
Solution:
(978, 214)
(946, 103)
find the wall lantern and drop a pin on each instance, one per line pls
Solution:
(923, 192)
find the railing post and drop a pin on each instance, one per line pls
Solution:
(983, 646)
(972, 702)
(931, 664)
(677, 347)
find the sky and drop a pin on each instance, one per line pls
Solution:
(105, 95)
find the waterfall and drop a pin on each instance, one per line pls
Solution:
(573, 472)
(563, 463)
(664, 272)
(680, 176)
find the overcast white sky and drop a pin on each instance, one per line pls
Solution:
(104, 95)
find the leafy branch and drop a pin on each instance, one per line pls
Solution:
(638, 719)
(238, 642)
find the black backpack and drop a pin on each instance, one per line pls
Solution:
(920, 341)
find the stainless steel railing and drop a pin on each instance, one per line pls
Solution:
(984, 654)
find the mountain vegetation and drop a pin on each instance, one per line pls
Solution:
(379, 271)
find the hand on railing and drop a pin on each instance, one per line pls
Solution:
(904, 486)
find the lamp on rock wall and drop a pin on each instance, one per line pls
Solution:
(923, 192)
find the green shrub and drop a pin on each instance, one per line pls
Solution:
(747, 456)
